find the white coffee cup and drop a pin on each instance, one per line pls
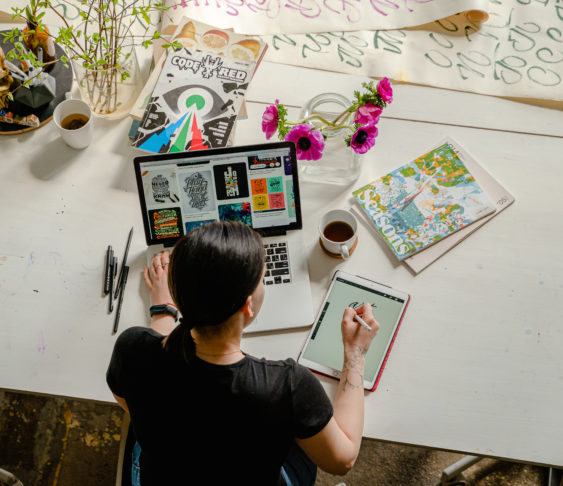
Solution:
(338, 230)
(78, 138)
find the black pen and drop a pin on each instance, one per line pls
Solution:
(120, 301)
(123, 264)
(109, 259)
(113, 271)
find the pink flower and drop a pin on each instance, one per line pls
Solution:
(368, 113)
(270, 120)
(364, 138)
(309, 143)
(385, 91)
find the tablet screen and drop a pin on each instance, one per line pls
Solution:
(325, 345)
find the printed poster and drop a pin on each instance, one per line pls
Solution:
(165, 223)
(197, 197)
(231, 181)
(161, 188)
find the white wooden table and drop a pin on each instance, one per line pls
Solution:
(477, 365)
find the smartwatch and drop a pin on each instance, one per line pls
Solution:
(156, 310)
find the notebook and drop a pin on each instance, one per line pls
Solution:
(254, 184)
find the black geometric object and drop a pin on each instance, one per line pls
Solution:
(36, 96)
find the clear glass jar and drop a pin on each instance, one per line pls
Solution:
(339, 163)
(103, 90)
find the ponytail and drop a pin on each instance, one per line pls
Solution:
(181, 342)
(213, 269)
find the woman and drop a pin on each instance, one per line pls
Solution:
(203, 412)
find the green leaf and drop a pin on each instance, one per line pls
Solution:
(145, 16)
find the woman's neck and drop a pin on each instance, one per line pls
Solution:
(222, 348)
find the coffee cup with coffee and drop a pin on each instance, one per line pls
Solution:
(338, 230)
(73, 119)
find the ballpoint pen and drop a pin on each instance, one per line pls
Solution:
(113, 271)
(109, 260)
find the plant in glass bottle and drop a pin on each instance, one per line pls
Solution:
(332, 128)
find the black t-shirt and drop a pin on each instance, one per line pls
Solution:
(201, 423)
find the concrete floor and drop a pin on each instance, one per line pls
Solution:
(52, 441)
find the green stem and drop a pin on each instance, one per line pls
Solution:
(345, 112)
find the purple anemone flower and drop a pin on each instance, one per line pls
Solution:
(368, 113)
(385, 91)
(270, 120)
(309, 142)
(364, 138)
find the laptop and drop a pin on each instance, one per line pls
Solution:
(254, 184)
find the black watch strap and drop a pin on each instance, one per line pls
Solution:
(163, 309)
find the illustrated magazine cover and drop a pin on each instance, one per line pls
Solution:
(195, 102)
(424, 201)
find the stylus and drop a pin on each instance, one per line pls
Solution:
(362, 322)
(119, 286)
(120, 301)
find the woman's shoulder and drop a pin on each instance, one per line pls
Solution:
(137, 337)
(285, 366)
(288, 363)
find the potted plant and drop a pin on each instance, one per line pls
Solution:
(100, 48)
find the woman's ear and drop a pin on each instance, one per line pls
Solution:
(247, 307)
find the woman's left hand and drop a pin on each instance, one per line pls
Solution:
(156, 278)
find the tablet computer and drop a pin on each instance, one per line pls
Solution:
(323, 351)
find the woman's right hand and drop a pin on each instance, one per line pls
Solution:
(156, 278)
(356, 337)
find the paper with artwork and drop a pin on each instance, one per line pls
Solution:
(496, 47)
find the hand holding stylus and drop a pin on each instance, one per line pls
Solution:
(359, 327)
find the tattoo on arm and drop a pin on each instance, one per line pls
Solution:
(349, 385)
(354, 364)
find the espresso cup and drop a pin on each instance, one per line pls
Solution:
(77, 138)
(338, 230)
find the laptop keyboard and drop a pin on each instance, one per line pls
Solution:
(277, 264)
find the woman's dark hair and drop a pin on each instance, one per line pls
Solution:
(212, 271)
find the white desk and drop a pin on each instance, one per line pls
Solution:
(477, 366)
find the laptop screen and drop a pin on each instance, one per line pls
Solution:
(254, 184)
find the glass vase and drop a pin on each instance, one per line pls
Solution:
(339, 163)
(104, 90)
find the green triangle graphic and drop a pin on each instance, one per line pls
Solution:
(180, 144)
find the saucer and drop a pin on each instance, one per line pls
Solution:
(338, 255)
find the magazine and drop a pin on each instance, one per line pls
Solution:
(424, 201)
(195, 102)
(197, 35)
